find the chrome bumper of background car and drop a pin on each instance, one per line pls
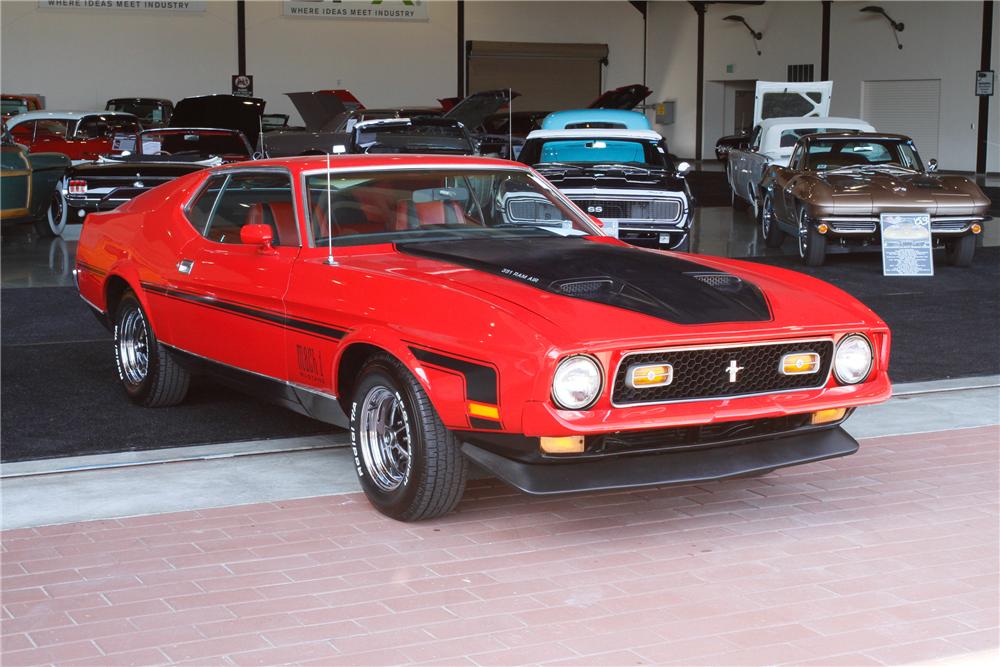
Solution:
(868, 225)
(677, 467)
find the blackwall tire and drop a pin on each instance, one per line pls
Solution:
(773, 235)
(960, 251)
(147, 370)
(410, 466)
(812, 244)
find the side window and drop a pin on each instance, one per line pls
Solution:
(755, 139)
(254, 198)
(200, 209)
(795, 162)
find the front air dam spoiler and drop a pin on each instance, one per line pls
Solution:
(623, 472)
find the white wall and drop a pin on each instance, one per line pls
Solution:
(672, 58)
(79, 59)
(993, 152)
(941, 40)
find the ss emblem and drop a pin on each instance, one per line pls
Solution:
(595, 209)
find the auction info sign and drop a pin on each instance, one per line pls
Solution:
(906, 244)
(364, 10)
(132, 5)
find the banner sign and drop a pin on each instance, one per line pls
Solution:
(133, 5)
(906, 244)
(365, 10)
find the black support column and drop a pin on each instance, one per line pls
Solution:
(984, 101)
(699, 7)
(241, 36)
(824, 66)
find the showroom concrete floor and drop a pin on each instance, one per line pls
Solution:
(264, 552)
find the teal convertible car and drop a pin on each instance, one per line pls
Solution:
(28, 184)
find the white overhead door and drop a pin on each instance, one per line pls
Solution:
(911, 107)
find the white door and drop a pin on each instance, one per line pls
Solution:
(911, 107)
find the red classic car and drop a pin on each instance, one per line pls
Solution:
(448, 309)
(79, 135)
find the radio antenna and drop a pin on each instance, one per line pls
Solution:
(329, 218)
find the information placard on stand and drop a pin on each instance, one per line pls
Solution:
(907, 249)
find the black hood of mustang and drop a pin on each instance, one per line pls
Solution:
(619, 177)
(663, 286)
(133, 169)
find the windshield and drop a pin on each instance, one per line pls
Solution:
(424, 205)
(586, 151)
(413, 138)
(198, 145)
(827, 154)
(95, 127)
(148, 112)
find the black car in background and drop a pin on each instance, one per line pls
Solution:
(740, 140)
(427, 134)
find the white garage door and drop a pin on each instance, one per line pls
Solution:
(910, 107)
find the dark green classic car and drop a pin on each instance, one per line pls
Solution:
(28, 184)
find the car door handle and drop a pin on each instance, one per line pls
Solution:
(185, 265)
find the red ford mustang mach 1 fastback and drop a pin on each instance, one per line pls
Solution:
(453, 308)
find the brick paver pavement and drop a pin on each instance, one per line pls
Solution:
(886, 557)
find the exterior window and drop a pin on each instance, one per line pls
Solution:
(201, 208)
(261, 198)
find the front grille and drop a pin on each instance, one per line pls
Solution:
(949, 225)
(692, 437)
(704, 373)
(853, 226)
(659, 210)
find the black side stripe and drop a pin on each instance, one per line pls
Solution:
(242, 309)
(480, 381)
(91, 269)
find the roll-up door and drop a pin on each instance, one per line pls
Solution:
(548, 76)
(911, 107)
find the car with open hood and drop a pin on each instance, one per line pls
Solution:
(330, 122)
(216, 135)
(623, 177)
(429, 135)
(837, 187)
(450, 309)
(79, 135)
(783, 112)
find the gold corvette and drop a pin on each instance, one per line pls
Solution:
(838, 185)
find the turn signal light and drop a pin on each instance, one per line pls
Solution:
(800, 363)
(827, 416)
(650, 375)
(976, 228)
(483, 410)
(77, 187)
(822, 228)
(569, 444)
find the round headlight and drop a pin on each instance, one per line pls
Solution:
(853, 360)
(577, 383)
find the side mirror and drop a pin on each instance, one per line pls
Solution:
(932, 165)
(683, 168)
(256, 235)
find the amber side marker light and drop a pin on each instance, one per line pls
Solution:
(976, 228)
(483, 410)
(569, 444)
(827, 416)
(800, 363)
(822, 228)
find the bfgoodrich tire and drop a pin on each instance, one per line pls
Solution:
(148, 371)
(960, 251)
(410, 466)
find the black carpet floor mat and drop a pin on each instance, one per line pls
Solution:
(943, 326)
(61, 396)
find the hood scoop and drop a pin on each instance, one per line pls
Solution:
(662, 286)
